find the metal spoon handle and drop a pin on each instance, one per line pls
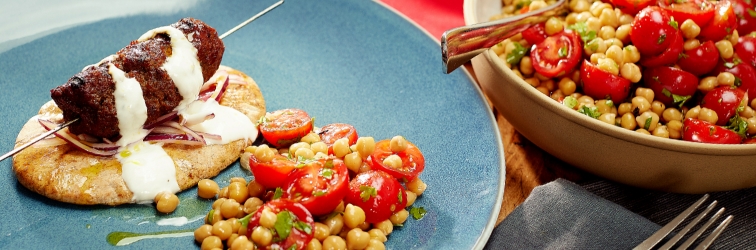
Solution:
(459, 45)
(48, 133)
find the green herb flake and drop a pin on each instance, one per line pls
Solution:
(399, 196)
(303, 226)
(590, 111)
(673, 23)
(326, 173)
(570, 102)
(278, 193)
(593, 45)
(329, 163)
(586, 34)
(739, 125)
(417, 212)
(284, 223)
(318, 193)
(366, 192)
(680, 99)
(293, 247)
(647, 124)
(738, 81)
(516, 54)
(562, 52)
(752, 13)
(661, 39)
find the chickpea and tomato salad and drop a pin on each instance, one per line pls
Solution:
(327, 188)
(679, 69)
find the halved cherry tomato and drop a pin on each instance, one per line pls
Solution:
(671, 86)
(413, 161)
(652, 31)
(271, 174)
(700, 60)
(558, 54)
(294, 226)
(378, 193)
(285, 127)
(669, 56)
(745, 75)
(721, 25)
(702, 131)
(700, 11)
(746, 49)
(320, 185)
(330, 133)
(535, 34)
(600, 84)
(631, 7)
(725, 101)
(746, 14)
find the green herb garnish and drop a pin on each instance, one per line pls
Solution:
(586, 34)
(366, 192)
(417, 212)
(278, 193)
(590, 111)
(516, 54)
(570, 102)
(562, 52)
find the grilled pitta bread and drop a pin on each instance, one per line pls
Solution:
(68, 174)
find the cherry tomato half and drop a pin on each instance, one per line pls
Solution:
(702, 131)
(600, 84)
(558, 54)
(746, 49)
(700, 11)
(285, 127)
(271, 174)
(671, 86)
(745, 75)
(535, 34)
(319, 185)
(668, 56)
(294, 225)
(721, 25)
(700, 60)
(378, 193)
(726, 101)
(330, 133)
(631, 7)
(746, 14)
(413, 161)
(652, 31)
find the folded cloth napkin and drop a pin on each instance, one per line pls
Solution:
(563, 215)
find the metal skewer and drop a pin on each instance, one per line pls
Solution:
(66, 124)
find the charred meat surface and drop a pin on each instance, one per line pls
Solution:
(88, 95)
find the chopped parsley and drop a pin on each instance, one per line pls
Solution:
(593, 45)
(673, 23)
(677, 99)
(647, 124)
(317, 193)
(752, 13)
(570, 101)
(738, 82)
(738, 124)
(590, 111)
(278, 193)
(326, 173)
(329, 163)
(586, 34)
(366, 192)
(284, 223)
(516, 54)
(417, 212)
(399, 196)
(562, 52)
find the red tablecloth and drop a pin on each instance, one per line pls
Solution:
(436, 16)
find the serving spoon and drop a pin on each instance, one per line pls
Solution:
(459, 45)
(66, 124)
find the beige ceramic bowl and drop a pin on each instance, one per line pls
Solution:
(608, 151)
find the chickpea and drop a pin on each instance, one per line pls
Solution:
(321, 231)
(690, 29)
(658, 107)
(631, 54)
(386, 226)
(640, 103)
(708, 115)
(254, 189)
(211, 242)
(335, 224)
(671, 114)
(310, 138)
(726, 78)
(567, 86)
(647, 120)
(707, 84)
(751, 129)
(374, 244)
(411, 197)
(674, 128)
(242, 243)
(608, 118)
(353, 161)
(399, 217)
(334, 242)
(416, 186)
(230, 208)
(691, 44)
(353, 216)
(393, 161)
(365, 145)
(262, 236)
(268, 218)
(207, 189)
(263, 153)
(660, 131)
(238, 191)
(623, 33)
(223, 229)
(553, 26)
(341, 147)
(624, 108)
(203, 232)
(526, 66)
(631, 72)
(377, 234)
(166, 202)
(319, 147)
(314, 244)
(693, 113)
(398, 144)
(607, 32)
(628, 121)
(725, 48)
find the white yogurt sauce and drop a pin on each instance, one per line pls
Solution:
(182, 66)
(229, 123)
(147, 170)
(131, 109)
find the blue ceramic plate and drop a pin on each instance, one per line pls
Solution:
(342, 61)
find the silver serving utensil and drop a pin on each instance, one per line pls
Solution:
(459, 45)
(48, 133)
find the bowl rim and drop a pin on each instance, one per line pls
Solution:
(470, 16)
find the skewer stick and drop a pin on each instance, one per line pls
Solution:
(61, 126)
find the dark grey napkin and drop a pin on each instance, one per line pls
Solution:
(563, 215)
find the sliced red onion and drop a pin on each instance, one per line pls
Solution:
(210, 136)
(74, 140)
(236, 79)
(174, 139)
(162, 119)
(186, 130)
